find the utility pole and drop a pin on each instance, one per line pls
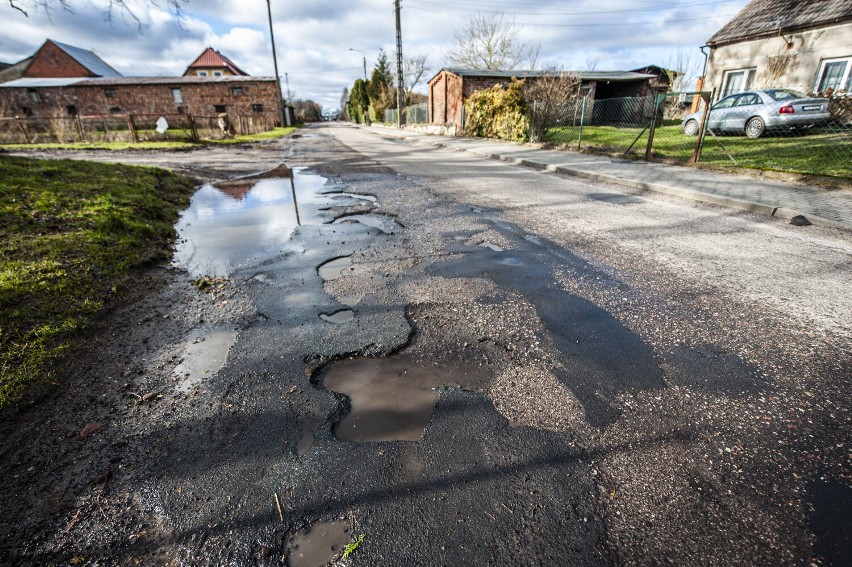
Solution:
(400, 79)
(364, 59)
(275, 63)
(287, 80)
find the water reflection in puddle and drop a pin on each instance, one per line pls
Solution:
(491, 246)
(204, 354)
(392, 398)
(384, 223)
(319, 545)
(243, 220)
(339, 317)
(333, 269)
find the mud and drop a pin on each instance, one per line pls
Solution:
(319, 545)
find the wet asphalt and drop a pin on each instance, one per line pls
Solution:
(603, 408)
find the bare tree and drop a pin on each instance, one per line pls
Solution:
(682, 70)
(124, 7)
(414, 68)
(551, 101)
(490, 41)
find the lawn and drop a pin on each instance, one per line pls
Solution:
(72, 234)
(177, 141)
(813, 154)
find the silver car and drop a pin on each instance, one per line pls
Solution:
(756, 112)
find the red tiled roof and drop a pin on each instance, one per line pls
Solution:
(211, 59)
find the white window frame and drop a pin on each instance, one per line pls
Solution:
(177, 96)
(202, 73)
(844, 81)
(217, 73)
(748, 73)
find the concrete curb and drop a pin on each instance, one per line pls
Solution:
(698, 196)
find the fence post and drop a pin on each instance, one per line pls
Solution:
(702, 130)
(22, 129)
(193, 132)
(80, 130)
(582, 121)
(131, 125)
(659, 99)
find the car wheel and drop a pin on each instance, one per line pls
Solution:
(755, 127)
(690, 128)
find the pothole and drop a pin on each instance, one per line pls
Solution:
(386, 224)
(204, 354)
(491, 246)
(306, 441)
(339, 317)
(332, 269)
(319, 545)
(392, 399)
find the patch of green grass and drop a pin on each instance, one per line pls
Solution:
(812, 154)
(182, 143)
(71, 234)
(350, 548)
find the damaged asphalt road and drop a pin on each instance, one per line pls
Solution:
(582, 375)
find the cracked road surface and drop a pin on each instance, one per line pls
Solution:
(513, 368)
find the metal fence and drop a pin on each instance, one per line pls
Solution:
(770, 129)
(414, 114)
(128, 128)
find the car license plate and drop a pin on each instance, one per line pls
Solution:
(808, 107)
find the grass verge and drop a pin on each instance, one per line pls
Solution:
(812, 154)
(72, 233)
(176, 141)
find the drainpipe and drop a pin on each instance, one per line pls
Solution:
(706, 57)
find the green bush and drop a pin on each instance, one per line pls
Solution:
(499, 112)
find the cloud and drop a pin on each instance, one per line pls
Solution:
(313, 38)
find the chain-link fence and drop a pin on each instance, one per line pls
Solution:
(771, 129)
(128, 128)
(414, 114)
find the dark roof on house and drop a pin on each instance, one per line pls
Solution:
(129, 81)
(520, 74)
(210, 58)
(4, 65)
(88, 59)
(770, 17)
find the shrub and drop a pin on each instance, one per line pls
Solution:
(499, 112)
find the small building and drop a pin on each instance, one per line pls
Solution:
(58, 60)
(450, 88)
(805, 46)
(211, 63)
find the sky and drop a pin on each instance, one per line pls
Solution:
(315, 38)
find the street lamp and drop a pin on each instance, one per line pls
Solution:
(364, 55)
(275, 63)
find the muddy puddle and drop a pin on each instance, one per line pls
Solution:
(491, 246)
(333, 269)
(338, 317)
(238, 222)
(392, 399)
(319, 545)
(205, 353)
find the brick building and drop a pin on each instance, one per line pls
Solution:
(450, 88)
(60, 80)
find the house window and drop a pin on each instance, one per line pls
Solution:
(217, 73)
(109, 93)
(177, 96)
(257, 107)
(115, 110)
(26, 111)
(34, 96)
(202, 73)
(835, 74)
(72, 110)
(181, 110)
(236, 91)
(219, 108)
(737, 81)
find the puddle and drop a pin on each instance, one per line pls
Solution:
(510, 262)
(339, 317)
(384, 223)
(333, 269)
(241, 221)
(309, 434)
(392, 398)
(356, 196)
(491, 246)
(319, 545)
(204, 354)
(533, 239)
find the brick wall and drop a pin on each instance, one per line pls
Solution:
(50, 61)
(199, 98)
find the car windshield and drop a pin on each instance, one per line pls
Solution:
(784, 94)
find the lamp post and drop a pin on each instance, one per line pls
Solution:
(275, 63)
(364, 56)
